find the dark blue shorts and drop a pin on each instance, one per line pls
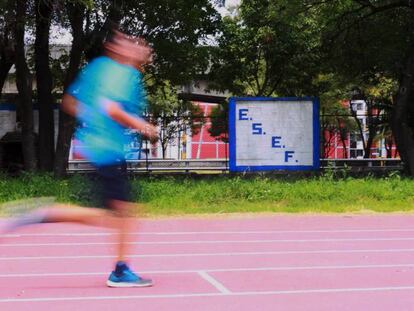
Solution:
(114, 183)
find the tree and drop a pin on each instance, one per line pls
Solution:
(220, 122)
(172, 115)
(264, 51)
(91, 38)
(7, 55)
(177, 30)
(44, 10)
(362, 39)
(174, 28)
(380, 103)
(24, 86)
(377, 121)
(335, 121)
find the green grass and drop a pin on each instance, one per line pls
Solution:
(215, 195)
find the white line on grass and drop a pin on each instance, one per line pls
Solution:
(305, 252)
(232, 294)
(220, 287)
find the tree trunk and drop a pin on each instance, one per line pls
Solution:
(329, 139)
(403, 116)
(24, 86)
(373, 126)
(5, 66)
(7, 58)
(76, 15)
(344, 150)
(342, 136)
(44, 85)
(358, 122)
(388, 147)
(7, 53)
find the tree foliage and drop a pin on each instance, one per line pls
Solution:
(176, 29)
(173, 116)
(264, 50)
(367, 42)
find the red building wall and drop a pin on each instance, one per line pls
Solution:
(203, 145)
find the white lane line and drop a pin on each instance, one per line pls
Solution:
(204, 232)
(281, 268)
(336, 251)
(220, 287)
(232, 294)
(208, 242)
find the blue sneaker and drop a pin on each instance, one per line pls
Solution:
(127, 278)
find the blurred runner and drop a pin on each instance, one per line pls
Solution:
(107, 98)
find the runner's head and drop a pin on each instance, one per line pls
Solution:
(133, 51)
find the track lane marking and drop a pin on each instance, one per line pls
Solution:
(340, 251)
(218, 285)
(208, 242)
(205, 232)
(232, 294)
(281, 268)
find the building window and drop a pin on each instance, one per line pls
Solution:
(358, 106)
(354, 139)
(356, 153)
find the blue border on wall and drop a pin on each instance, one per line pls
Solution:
(232, 136)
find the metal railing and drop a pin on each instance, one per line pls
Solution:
(378, 162)
(186, 166)
(157, 165)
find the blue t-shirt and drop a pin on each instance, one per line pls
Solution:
(102, 140)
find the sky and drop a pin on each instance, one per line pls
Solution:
(232, 2)
(228, 4)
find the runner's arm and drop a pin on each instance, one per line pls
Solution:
(69, 105)
(119, 115)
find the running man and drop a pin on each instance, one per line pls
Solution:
(106, 98)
